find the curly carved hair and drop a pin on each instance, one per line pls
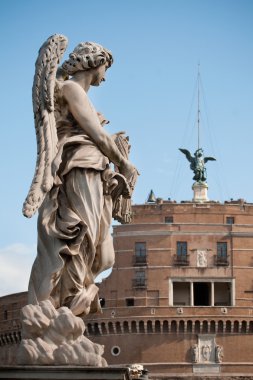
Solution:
(87, 55)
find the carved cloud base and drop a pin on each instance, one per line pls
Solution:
(55, 337)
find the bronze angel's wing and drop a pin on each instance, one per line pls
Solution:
(187, 154)
(46, 65)
(209, 159)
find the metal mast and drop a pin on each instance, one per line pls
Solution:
(198, 109)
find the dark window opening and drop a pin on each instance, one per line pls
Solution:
(102, 302)
(181, 258)
(130, 301)
(168, 219)
(140, 253)
(201, 294)
(140, 279)
(181, 248)
(222, 249)
(5, 315)
(230, 220)
(222, 256)
(222, 293)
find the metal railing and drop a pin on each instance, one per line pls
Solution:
(140, 283)
(140, 259)
(181, 260)
(221, 260)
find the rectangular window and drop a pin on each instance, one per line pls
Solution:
(181, 257)
(140, 275)
(222, 250)
(222, 256)
(207, 293)
(222, 294)
(140, 279)
(140, 253)
(230, 220)
(140, 249)
(129, 301)
(168, 219)
(181, 293)
(181, 248)
(202, 293)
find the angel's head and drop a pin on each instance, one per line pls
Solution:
(199, 152)
(86, 56)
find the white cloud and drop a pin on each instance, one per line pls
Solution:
(15, 266)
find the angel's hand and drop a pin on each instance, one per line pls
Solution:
(129, 171)
(115, 135)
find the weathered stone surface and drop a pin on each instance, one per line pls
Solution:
(55, 337)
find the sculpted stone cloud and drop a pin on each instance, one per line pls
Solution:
(56, 337)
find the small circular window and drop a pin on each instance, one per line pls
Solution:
(115, 351)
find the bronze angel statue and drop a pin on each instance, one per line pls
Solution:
(75, 188)
(197, 163)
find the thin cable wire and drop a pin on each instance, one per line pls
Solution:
(188, 134)
(215, 148)
(177, 177)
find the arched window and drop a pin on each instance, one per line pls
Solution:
(157, 327)
(165, 326)
(149, 327)
(141, 327)
(189, 326)
(125, 327)
(173, 327)
(181, 326)
(133, 327)
(205, 327)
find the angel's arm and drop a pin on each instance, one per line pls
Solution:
(87, 119)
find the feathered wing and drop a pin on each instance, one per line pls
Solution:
(209, 159)
(187, 154)
(46, 66)
(122, 210)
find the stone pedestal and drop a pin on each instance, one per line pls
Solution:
(200, 192)
(63, 373)
(206, 368)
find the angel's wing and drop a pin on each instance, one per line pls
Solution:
(122, 210)
(187, 154)
(47, 62)
(209, 159)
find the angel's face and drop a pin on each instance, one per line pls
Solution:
(99, 75)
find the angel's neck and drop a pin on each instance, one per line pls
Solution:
(83, 78)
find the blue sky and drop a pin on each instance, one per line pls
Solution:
(150, 93)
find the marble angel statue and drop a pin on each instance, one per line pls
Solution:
(75, 188)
